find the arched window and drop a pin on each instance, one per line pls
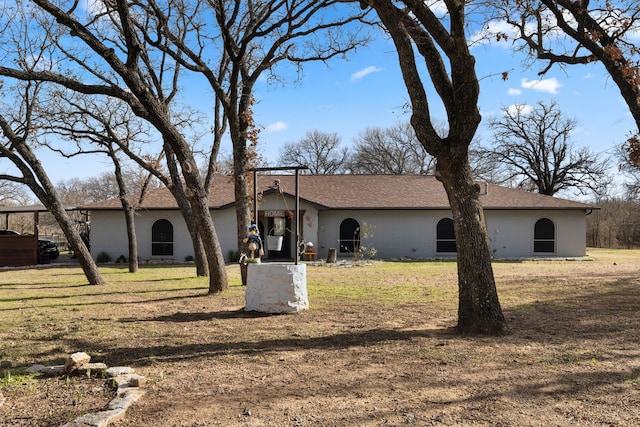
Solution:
(445, 236)
(162, 238)
(349, 236)
(544, 236)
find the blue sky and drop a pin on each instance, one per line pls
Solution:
(367, 90)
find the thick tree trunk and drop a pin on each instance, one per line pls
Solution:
(241, 190)
(177, 189)
(199, 254)
(479, 309)
(46, 193)
(243, 215)
(81, 251)
(199, 202)
(198, 199)
(89, 267)
(243, 209)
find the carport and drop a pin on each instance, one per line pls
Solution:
(19, 250)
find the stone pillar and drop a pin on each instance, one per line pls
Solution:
(276, 288)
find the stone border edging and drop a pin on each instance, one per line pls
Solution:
(129, 388)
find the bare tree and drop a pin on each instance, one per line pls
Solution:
(19, 133)
(113, 130)
(567, 32)
(13, 194)
(416, 29)
(616, 224)
(393, 151)
(102, 53)
(535, 147)
(320, 151)
(254, 37)
(97, 127)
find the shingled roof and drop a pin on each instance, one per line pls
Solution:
(360, 192)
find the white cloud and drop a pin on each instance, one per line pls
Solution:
(360, 74)
(546, 85)
(514, 92)
(276, 127)
(521, 109)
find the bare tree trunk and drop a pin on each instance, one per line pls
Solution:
(238, 129)
(217, 269)
(129, 213)
(178, 191)
(243, 214)
(415, 28)
(72, 235)
(198, 198)
(41, 186)
(478, 306)
(199, 254)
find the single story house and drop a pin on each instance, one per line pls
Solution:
(401, 216)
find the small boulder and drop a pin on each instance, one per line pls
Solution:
(137, 380)
(75, 361)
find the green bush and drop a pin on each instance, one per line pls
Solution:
(233, 255)
(103, 257)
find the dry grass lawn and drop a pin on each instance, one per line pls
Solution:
(376, 347)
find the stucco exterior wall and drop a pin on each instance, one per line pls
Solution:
(393, 233)
(406, 233)
(511, 232)
(108, 230)
(412, 234)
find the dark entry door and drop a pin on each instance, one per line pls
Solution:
(279, 226)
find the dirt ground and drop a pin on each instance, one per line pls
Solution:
(571, 358)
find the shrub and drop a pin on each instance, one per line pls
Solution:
(233, 255)
(189, 258)
(103, 257)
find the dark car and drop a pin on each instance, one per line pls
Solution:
(47, 248)
(6, 232)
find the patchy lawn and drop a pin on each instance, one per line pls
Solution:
(376, 347)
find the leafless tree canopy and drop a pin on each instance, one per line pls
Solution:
(320, 152)
(566, 32)
(394, 150)
(536, 149)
